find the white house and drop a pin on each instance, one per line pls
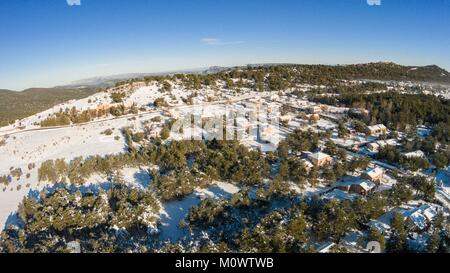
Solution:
(320, 159)
(373, 174)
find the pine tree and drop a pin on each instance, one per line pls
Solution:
(298, 228)
(398, 240)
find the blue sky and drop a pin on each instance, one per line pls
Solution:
(47, 42)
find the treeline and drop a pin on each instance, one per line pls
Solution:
(281, 77)
(345, 88)
(183, 166)
(73, 116)
(122, 219)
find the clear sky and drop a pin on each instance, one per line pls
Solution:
(47, 42)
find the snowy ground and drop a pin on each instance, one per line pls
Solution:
(26, 142)
(443, 179)
(68, 143)
(175, 211)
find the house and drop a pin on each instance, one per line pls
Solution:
(103, 107)
(420, 218)
(356, 185)
(375, 146)
(315, 110)
(416, 218)
(374, 174)
(378, 129)
(363, 187)
(320, 159)
(174, 113)
(273, 107)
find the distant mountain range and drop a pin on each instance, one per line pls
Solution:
(106, 81)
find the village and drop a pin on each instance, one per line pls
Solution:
(257, 120)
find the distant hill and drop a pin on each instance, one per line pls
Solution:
(17, 105)
(373, 71)
(108, 81)
(392, 71)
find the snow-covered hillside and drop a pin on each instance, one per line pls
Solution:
(25, 142)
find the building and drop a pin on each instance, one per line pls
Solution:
(375, 146)
(420, 218)
(363, 187)
(320, 159)
(378, 129)
(103, 107)
(356, 185)
(416, 218)
(375, 175)
(315, 110)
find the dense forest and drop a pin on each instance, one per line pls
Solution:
(91, 218)
(17, 105)
(122, 220)
(266, 215)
